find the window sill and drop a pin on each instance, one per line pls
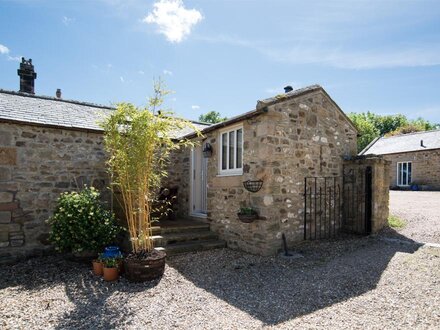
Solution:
(229, 174)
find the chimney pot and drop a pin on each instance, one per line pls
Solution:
(27, 76)
(58, 93)
(288, 89)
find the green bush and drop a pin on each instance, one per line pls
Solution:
(81, 223)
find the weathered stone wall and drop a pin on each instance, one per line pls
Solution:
(380, 181)
(306, 136)
(425, 167)
(36, 165)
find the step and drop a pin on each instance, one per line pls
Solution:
(189, 236)
(184, 247)
(158, 230)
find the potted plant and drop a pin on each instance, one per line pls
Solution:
(81, 225)
(139, 142)
(98, 266)
(110, 270)
(247, 214)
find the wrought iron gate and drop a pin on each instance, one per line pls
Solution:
(334, 205)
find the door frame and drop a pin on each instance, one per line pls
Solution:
(192, 190)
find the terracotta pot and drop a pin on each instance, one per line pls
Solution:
(141, 270)
(111, 274)
(98, 267)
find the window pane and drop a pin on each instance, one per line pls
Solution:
(409, 173)
(399, 174)
(404, 171)
(224, 150)
(231, 149)
(239, 153)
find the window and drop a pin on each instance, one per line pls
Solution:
(404, 173)
(231, 151)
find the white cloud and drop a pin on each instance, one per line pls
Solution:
(121, 79)
(172, 19)
(67, 20)
(195, 107)
(141, 72)
(167, 72)
(14, 58)
(4, 49)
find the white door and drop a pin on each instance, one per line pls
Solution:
(198, 182)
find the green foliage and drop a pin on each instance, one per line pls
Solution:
(247, 211)
(81, 223)
(139, 143)
(212, 117)
(366, 129)
(371, 126)
(395, 222)
(110, 262)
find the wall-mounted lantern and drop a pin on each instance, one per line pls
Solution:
(207, 150)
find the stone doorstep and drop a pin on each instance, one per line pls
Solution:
(171, 238)
(184, 247)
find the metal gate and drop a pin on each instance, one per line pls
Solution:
(335, 205)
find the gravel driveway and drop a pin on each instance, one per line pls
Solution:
(357, 283)
(421, 211)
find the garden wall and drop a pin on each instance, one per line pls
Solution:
(36, 165)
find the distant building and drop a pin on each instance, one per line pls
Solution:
(415, 158)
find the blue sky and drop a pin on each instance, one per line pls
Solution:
(224, 55)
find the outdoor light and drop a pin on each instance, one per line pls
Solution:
(207, 150)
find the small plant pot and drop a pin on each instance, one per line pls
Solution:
(98, 267)
(111, 274)
(247, 218)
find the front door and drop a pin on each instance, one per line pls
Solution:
(198, 182)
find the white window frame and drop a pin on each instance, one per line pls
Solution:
(399, 176)
(228, 171)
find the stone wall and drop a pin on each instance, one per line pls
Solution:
(425, 167)
(36, 165)
(380, 181)
(305, 136)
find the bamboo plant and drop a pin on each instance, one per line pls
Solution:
(139, 143)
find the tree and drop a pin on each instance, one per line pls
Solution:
(371, 126)
(366, 129)
(139, 143)
(212, 117)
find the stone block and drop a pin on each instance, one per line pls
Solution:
(5, 138)
(5, 174)
(5, 217)
(8, 156)
(4, 244)
(17, 242)
(6, 197)
(8, 206)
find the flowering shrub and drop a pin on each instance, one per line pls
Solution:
(81, 223)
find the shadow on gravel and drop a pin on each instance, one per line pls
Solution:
(98, 304)
(274, 290)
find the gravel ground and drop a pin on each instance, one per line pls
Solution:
(421, 212)
(354, 283)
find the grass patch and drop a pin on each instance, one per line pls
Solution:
(396, 222)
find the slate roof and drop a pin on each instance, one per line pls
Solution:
(50, 111)
(404, 143)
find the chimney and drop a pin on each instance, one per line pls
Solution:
(27, 76)
(288, 89)
(58, 93)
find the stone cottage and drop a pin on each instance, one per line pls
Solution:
(414, 158)
(49, 145)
